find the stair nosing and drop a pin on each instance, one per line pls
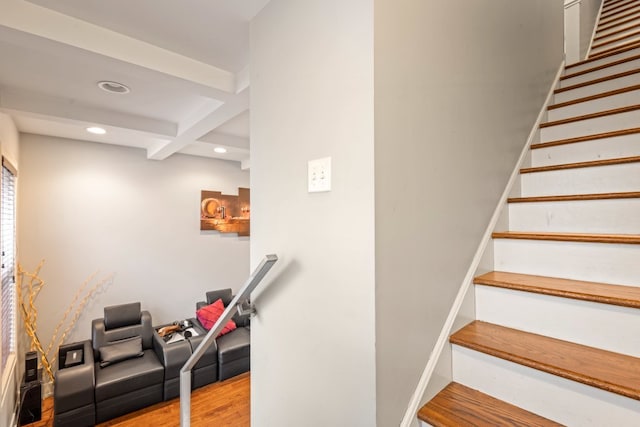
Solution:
(598, 80)
(606, 20)
(607, 14)
(559, 287)
(607, 27)
(528, 360)
(621, 30)
(579, 165)
(618, 49)
(600, 67)
(587, 60)
(594, 97)
(590, 116)
(454, 402)
(617, 39)
(576, 197)
(617, 31)
(585, 138)
(624, 239)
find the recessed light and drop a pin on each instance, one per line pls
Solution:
(113, 87)
(220, 150)
(96, 130)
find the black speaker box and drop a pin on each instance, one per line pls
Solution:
(30, 401)
(31, 366)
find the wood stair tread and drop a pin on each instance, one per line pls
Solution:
(617, 10)
(599, 67)
(613, 372)
(627, 239)
(598, 57)
(606, 27)
(596, 81)
(617, 49)
(616, 17)
(585, 138)
(576, 197)
(577, 165)
(594, 97)
(615, 40)
(625, 296)
(621, 29)
(590, 116)
(458, 405)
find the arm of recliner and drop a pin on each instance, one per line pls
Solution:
(74, 386)
(200, 304)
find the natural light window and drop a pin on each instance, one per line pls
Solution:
(8, 244)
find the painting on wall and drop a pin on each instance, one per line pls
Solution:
(225, 213)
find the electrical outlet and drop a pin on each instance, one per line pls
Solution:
(319, 175)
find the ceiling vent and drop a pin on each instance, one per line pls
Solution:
(113, 87)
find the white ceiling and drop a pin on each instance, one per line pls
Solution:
(186, 63)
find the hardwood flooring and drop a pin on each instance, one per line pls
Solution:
(225, 403)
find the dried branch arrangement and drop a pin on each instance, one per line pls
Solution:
(29, 285)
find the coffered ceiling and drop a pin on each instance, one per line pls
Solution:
(185, 62)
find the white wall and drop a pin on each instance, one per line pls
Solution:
(579, 21)
(458, 86)
(87, 207)
(313, 343)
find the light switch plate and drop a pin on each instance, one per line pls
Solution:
(319, 175)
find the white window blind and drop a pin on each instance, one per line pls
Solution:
(8, 245)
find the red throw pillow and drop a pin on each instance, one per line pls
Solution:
(209, 315)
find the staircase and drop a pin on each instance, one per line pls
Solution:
(557, 335)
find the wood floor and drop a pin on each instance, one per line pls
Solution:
(224, 403)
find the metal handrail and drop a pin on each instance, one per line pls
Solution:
(237, 304)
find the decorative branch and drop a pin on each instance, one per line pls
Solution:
(32, 284)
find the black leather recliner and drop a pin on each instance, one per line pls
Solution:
(120, 363)
(234, 348)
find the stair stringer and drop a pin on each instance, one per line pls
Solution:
(439, 359)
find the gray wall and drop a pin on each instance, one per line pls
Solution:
(313, 344)
(87, 207)
(458, 86)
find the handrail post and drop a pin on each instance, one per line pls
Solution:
(243, 295)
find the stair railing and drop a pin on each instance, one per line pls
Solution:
(240, 303)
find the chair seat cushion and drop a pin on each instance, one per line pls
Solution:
(234, 345)
(128, 375)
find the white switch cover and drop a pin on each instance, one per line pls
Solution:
(320, 175)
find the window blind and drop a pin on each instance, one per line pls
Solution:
(8, 245)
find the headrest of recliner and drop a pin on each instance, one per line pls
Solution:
(117, 316)
(224, 294)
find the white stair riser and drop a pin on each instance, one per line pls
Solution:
(603, 61)
(598, 179)
(615, 33)
(583, 322)
(550, 396)
(597, 88)
(613, 216)
(609, 6)
(599, 149)
(631, 22)
(614, 69)
(616, 264)
(618, 44)
(620, 100)
(617, 15)
(607, 123)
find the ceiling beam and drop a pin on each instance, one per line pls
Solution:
(69, 109)
(33, 19)
(188, 134)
